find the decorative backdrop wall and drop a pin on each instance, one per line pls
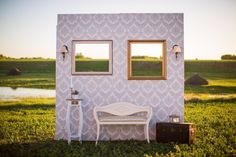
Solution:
(164, 96)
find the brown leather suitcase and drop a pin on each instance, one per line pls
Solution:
(175, 132)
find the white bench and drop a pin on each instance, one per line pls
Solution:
(123, 113)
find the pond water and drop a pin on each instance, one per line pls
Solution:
(11, 93)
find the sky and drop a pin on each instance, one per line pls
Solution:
(28, 27)
(147, 49)
(101, 51)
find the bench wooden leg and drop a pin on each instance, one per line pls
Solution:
(98, 132)
(147, 132)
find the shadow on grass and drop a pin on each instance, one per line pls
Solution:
(215, 100)
(210, 89)
(87, 148)
(28, 107)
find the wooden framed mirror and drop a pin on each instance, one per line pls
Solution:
(146, 59)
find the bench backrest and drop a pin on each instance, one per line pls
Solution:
(123, 109)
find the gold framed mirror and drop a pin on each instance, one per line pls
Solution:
(146, 59)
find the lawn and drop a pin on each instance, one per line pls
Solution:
(41, 74)
(221, 76)
(146, 67)
(86, 65)
(35, 73)
(28, 125)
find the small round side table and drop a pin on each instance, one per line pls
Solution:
(78, 104)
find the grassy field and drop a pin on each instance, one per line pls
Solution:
(86, 65)
(139, 68)
(221, 76)
(41, 74)
(35, 74)
(146, 67)
(28, 125)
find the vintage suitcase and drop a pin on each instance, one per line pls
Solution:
(175, 132)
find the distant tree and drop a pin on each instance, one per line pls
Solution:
(228, 57)
(145, 57)
(81, 56)
(138, 57)
(38, 58)
(4, 57)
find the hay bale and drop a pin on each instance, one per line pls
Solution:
(14, 71)
(196, 80)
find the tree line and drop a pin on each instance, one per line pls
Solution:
(228, 57)
(2, 57)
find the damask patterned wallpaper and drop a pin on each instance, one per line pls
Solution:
(164, 96)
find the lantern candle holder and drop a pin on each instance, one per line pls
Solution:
(177, 50)
(174, 119)
(74, 94)
(64, 50)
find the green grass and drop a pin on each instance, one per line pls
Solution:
(35, 74)
(92, 65)
(28, 125)
(146, 67)
(26, 120)
(41, 73)
(221, 76)
(213, 70)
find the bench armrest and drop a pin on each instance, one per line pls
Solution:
(149, 114)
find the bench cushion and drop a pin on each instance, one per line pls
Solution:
(122, 119)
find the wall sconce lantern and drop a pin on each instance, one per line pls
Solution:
(64, 50)
(177, 50)
(174, 119)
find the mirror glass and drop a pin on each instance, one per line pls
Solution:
(146, 59)
(92, 57)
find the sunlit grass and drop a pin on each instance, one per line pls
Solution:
(34, 73)
(208, 97)
(223, 82)
(28, 129)
(33, 81)
(26, 120)
(28, 125)
(41, 73)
